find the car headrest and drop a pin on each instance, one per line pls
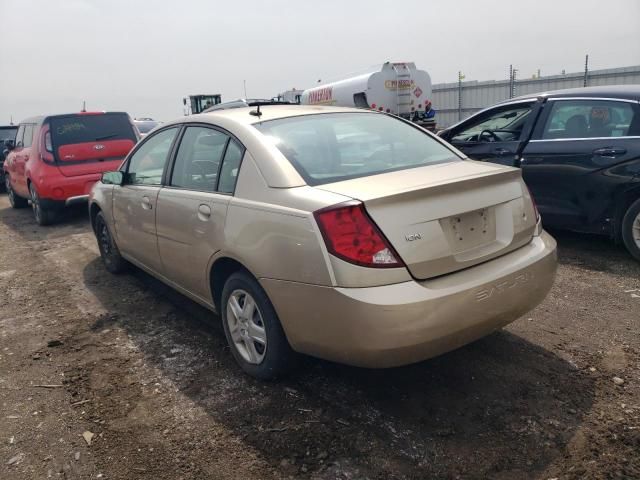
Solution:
(212, 140)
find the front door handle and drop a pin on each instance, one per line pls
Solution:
(609, 152)
(146, 203)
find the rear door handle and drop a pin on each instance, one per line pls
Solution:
(146, 203)
(204, 212)
(609, 152)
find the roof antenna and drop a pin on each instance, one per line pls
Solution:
(84, 106)
(256, 112)
(11, 121)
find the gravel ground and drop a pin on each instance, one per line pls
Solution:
(119, 377)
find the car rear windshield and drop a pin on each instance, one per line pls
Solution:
(71, 130)
(8, 133)
(327, 148)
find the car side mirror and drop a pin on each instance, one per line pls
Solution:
(112, 178)
(9, 145)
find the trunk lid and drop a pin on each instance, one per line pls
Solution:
(84, 144)
(446, 217)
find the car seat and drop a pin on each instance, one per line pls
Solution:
(576, 127)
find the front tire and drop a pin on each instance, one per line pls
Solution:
(113, 261)
(631, 229)
(253, 330)
(44, 216)
(14, 200)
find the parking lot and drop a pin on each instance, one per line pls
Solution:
(147, 373)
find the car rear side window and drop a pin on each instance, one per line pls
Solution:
(571, 119)
(327, 148)
(88, 128)
(230, 167)
(19, 136)
(27, 140)
(198, 159)
(146, 165)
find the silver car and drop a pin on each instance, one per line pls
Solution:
(345, 234)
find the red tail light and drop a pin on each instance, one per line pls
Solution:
(351, 235)
(46, 149)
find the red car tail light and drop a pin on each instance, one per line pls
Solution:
(350, 234)
(46, 149)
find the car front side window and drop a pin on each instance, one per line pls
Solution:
(591, 118)
(503, 124)
(147, 163)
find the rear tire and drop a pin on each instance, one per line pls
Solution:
(255, 335)
(14, 200)
(113, 261)
(44, 216)
(631, 229)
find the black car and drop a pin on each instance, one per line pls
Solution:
(579, 151)
(7, 132)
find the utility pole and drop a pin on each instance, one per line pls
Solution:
(586, 70)
(460, 78)
(512, 81)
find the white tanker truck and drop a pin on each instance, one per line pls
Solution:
(398, 88)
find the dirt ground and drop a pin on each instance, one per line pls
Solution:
(147, 373)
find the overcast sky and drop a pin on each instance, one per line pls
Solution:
(144, 56)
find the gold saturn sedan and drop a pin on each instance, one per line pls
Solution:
(350, 235)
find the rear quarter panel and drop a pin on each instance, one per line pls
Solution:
(272, 232)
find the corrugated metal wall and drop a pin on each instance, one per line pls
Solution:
(478, 95)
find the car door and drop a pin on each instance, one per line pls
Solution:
(570, 163)
(21, 186)
(134, 203)
(14, 158)
(192, 208)
(496, 134)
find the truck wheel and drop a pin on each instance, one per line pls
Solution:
(253, 330)
(44, 216)
(631, 229)
(113, 261)
(14, 200)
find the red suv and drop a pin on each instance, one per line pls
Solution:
(56, 159)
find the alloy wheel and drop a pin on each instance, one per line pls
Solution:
(635, 230)
(7, 184)
(246, 327)
(35, 203)
(104, 239)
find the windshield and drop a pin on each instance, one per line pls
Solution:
(8, 133)
(326, 148)
(76, 129)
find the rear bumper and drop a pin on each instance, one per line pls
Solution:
(404, 323)
(61, 191)
(77, 200)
